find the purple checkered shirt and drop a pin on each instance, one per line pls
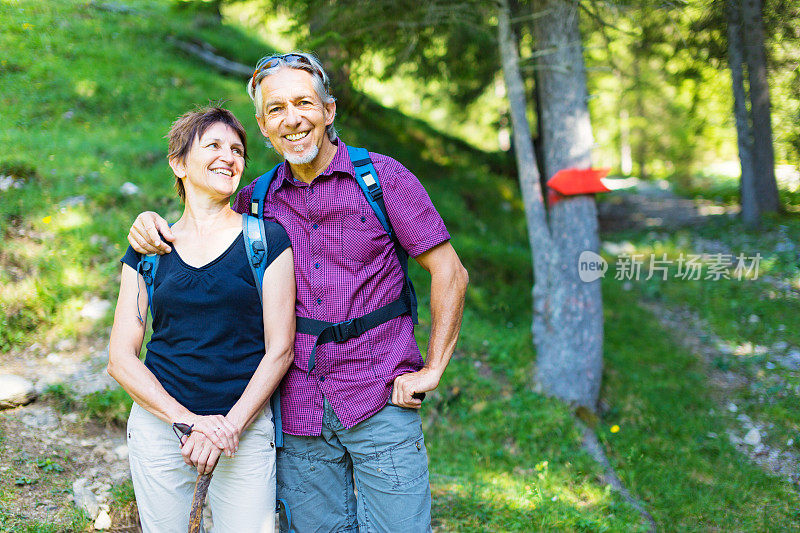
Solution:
(345, 267)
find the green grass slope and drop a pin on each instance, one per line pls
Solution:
(87, 96)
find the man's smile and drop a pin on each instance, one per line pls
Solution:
(296, 136)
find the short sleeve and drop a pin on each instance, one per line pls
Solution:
(277, 240)
(241, 204)
(131, 258)
(415, 221)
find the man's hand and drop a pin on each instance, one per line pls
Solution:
(406, 385)
(144, 234)
(200, 452)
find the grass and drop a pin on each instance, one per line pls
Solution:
(86, 111)
(752, 318)
(665, 451)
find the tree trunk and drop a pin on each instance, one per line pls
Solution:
(538, 232)
(750, 209)
(763, 155)
(567, 314)
(570, 340)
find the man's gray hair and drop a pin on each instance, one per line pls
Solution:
(296, 60)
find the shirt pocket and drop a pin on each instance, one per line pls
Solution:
(363, 237)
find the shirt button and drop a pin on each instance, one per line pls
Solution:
(321, 379)
(363, 219)
(316, 265)
(315, 226)
(319, 300)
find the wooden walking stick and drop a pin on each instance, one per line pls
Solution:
(200, 486)
(200, 491)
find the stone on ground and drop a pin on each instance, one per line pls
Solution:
(85, 498)
(15, 391)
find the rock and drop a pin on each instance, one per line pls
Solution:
(753, 437)
(129, 189)
(769, 365)
(103, 521)
(84, 498)
(121, 451)
(72, 201)
(791, 360)
(44, 419)
(780, 346)
(15, 391)
(754, 319)
(95, 309)
(65, 345)
(732, 407)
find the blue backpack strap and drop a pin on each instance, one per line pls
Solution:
(260, 192)
(147, 267)
(285, 516)
(367, 178)
(368, 181)
(255, 243)
(325, 332)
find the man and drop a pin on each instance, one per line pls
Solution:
(351, 414)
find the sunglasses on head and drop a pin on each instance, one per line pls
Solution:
(269, 62)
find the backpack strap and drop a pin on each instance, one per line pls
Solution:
(260, 193)
(325, 332)
(147, 267)
(368, 181)
(255, 243)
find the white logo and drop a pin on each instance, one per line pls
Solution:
(591, 266)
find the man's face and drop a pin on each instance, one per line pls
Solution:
(294, 117)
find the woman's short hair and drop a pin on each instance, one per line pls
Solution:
(192, 125)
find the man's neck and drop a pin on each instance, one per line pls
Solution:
(309, 171)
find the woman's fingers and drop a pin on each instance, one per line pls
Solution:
(220, 431)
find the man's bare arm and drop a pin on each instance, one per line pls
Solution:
(449, 281)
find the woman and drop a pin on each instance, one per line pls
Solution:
(216, 354)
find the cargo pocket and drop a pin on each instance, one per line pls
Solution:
(410, 461)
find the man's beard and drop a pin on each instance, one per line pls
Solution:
(296, 159)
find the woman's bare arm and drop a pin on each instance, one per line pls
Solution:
(125, 366)
(279, 291)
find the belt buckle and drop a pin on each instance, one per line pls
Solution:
(343, 331)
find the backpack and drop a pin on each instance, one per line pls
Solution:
(406, 303)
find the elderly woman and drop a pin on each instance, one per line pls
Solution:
(216, 353)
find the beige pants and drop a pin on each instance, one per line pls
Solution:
(242, 491)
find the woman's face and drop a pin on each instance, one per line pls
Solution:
(214, 164)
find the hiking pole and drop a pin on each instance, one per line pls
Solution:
(200, 485)
(200, 491)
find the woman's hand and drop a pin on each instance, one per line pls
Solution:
(198, 451)
(219, 430)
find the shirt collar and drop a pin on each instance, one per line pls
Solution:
(340, 163)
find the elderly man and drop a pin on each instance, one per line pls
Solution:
(350, 407)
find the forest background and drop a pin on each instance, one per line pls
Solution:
(696, 425)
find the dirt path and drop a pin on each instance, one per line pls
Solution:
(654, 207)
(45, 449)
